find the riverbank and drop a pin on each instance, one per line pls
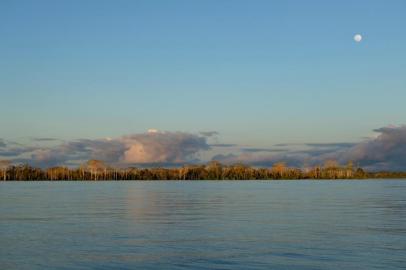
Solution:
(94, 170)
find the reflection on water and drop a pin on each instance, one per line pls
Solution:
(203, 225)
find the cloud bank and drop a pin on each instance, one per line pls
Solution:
(146, 148)
(162, 147)
(387, 151)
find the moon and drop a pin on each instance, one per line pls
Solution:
(357, 38)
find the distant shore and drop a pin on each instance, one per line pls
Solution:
(95, 170)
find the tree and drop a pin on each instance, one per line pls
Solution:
(214, 170)
(4, 165)
(330, 164)
(58, 173)
(278, 170)
(350, 169)
(360, 173)
(95, 167)
(331, 169)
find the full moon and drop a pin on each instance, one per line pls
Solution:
(357, 38)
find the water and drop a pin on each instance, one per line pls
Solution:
(203, 225)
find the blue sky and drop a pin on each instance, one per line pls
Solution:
(257, 72)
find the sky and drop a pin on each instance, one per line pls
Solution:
(256, 74)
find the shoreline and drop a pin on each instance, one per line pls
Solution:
(212, 180)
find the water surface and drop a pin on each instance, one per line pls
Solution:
(203, 225)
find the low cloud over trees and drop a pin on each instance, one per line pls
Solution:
(386, 151)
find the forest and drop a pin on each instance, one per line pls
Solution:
(97, 170)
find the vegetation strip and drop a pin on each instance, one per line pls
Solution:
(98, 170)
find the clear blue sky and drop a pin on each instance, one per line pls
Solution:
(258, 72)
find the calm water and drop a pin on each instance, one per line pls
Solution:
(203, 225)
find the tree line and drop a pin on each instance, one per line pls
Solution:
(97, 170)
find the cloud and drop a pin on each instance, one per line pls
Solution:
(208, 133)
(74, 152)
(145, 148)
(229, 158)
(284, 144)
(387, 151)
(162, 147)
(254, 150)
(12, 150)
(331, 145)
(262, 159)
(152, 130)
(44, 139)
(223, 145)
